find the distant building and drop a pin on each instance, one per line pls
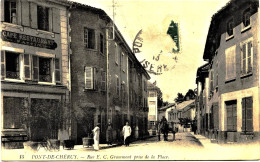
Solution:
(228, 93)
(185, 109)
(154, 95)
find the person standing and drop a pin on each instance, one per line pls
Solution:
(127, 133)
(96, 132)
(109, 134)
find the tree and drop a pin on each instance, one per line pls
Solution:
(190, 95)
(179, 98)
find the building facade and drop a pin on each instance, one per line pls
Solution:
(154, 93)
(35, 76)
(108, 82)
(232, 85)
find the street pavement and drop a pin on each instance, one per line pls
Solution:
(187, 146)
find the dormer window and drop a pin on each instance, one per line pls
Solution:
(230, 26)
(43, 18)
(246, 18)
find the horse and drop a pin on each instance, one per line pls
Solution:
(164, 128)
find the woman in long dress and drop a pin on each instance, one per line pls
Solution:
(96, 132)
(127, 133)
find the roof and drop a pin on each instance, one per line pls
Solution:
(184, 104)
(166, 107)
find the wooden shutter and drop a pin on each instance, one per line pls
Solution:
(243, 61)
(95, 86)
(56, 20)
(51, 20)
(57, 70)
(247, 114)
(249, 56)
(2, 10)
(2, 64)
(25, 13)
(33, 13)
(35, 68)
(89, 82)
(103, 81)
(27, 67)
(229, 117)
(234, 116)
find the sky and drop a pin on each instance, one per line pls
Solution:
(153, 18)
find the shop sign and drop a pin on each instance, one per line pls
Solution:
(28, 40)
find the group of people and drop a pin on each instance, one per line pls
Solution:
(109, 135)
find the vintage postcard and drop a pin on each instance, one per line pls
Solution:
(130, 80)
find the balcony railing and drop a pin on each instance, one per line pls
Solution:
(12, 75)
(45, 78)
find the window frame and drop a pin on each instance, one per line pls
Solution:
(229, 35)
(21, 68)
(116, 53)
(10, 11)
(47, 26)
(86, 41)
(101, 42)
(247, 71)
(92, 78)
(245, 13)
(231, 103)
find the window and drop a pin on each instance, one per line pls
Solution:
(231, 107)
(153, 103)
(103, 81)
(247, 114)
(117, 86)
(57, 70)
(45, 69)
(12, 65)
(211, 79)
(10, 14)
(246, 57)
(123, 62)
(230, 26)
(216, 74)
(101, 43)
(152, 94)
(90, 77)
(246, 18)
(89, 38)
(230, 56)
(123, 91)
(43, 18)
(13, 107)
(116, 53)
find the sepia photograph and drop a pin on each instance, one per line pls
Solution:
(130, 80)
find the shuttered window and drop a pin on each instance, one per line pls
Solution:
(2, 64)
(117, 86)
(57, 71)
(101, 43)
(246, 57)
(12, 65)
(27, 67)
(230, 56)
(231, 107)
(247, 114)
(43, 18)
(103, 81)
(35, 68)
(90, 78)
(116, 53)
(211, 79)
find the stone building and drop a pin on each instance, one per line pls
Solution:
(35, 76)
(232, 91)
(108, 82)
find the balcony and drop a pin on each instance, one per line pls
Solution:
(12, 75)
(45, 78)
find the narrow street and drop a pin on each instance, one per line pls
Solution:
(186, 147)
